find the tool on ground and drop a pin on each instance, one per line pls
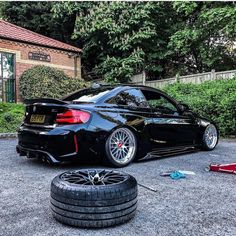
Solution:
(177, 175)
(147, 187)
(227, 168)
(185, 172)
(174, 174)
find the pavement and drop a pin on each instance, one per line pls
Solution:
(202, 204)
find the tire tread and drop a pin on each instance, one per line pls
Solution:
(94, 206)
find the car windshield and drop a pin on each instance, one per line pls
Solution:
(87, 96)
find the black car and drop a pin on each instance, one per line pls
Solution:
(120, 123)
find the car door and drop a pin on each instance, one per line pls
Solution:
(134, 111)
(169, 126)
(133, 108)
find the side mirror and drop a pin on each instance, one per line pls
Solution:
(183, 107)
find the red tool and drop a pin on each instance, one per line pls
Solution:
(228, 168)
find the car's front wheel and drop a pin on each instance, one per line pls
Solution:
(121, 147)
(210, 137)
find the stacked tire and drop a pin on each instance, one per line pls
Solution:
(93, 198)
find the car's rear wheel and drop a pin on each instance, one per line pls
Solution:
(121, 147)
(210, 137)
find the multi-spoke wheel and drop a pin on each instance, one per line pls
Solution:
(210, 137)
(93, 198)
(93, 177)
(121, 147)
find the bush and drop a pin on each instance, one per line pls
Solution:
(215, 100)
(11, 116)
(44, 81)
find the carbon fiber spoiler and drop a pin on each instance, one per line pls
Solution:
(44, 100)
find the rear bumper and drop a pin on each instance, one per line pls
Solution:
(54, 145)
(31, 153)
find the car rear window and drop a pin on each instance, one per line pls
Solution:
(87, 95)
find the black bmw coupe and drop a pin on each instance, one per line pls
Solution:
(120, 123)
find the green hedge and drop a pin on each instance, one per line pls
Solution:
(11, 116)
(215, 100)
(39, 81)
(44, 81)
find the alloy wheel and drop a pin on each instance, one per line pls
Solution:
(122, 145)
(210, 136)
(93, 177)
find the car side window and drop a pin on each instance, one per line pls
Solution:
(130, 97)
(160, 103)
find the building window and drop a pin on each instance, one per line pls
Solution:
(7, 77)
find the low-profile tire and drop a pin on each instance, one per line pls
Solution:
(93, 198)
(121, 147)
(210, 137)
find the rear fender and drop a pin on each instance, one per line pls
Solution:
(142, 140)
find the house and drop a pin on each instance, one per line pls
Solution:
(21, 49)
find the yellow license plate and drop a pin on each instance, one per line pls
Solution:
(37, 119)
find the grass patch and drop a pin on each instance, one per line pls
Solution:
(11, 116)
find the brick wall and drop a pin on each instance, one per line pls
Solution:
(59, 59)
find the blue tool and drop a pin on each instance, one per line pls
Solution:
(177, 175)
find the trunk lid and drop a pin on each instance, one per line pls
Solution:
(43, 112)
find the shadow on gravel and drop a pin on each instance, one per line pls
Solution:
(93, 162)
(82, 163)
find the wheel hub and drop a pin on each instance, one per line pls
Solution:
(120, 145)
(96, 178)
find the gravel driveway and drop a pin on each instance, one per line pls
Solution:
(203, 204)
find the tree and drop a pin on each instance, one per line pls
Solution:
(120, 39)
(123, 38)
(204, 39)
(38, 17)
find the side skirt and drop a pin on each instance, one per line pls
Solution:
(165, 152)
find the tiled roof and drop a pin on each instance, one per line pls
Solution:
(14, 32)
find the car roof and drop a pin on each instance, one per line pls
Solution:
(122, 87)
(115, 89)
(125, 86)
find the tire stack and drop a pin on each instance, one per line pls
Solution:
(93, 198)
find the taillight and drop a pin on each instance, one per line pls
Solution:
(72, 117)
